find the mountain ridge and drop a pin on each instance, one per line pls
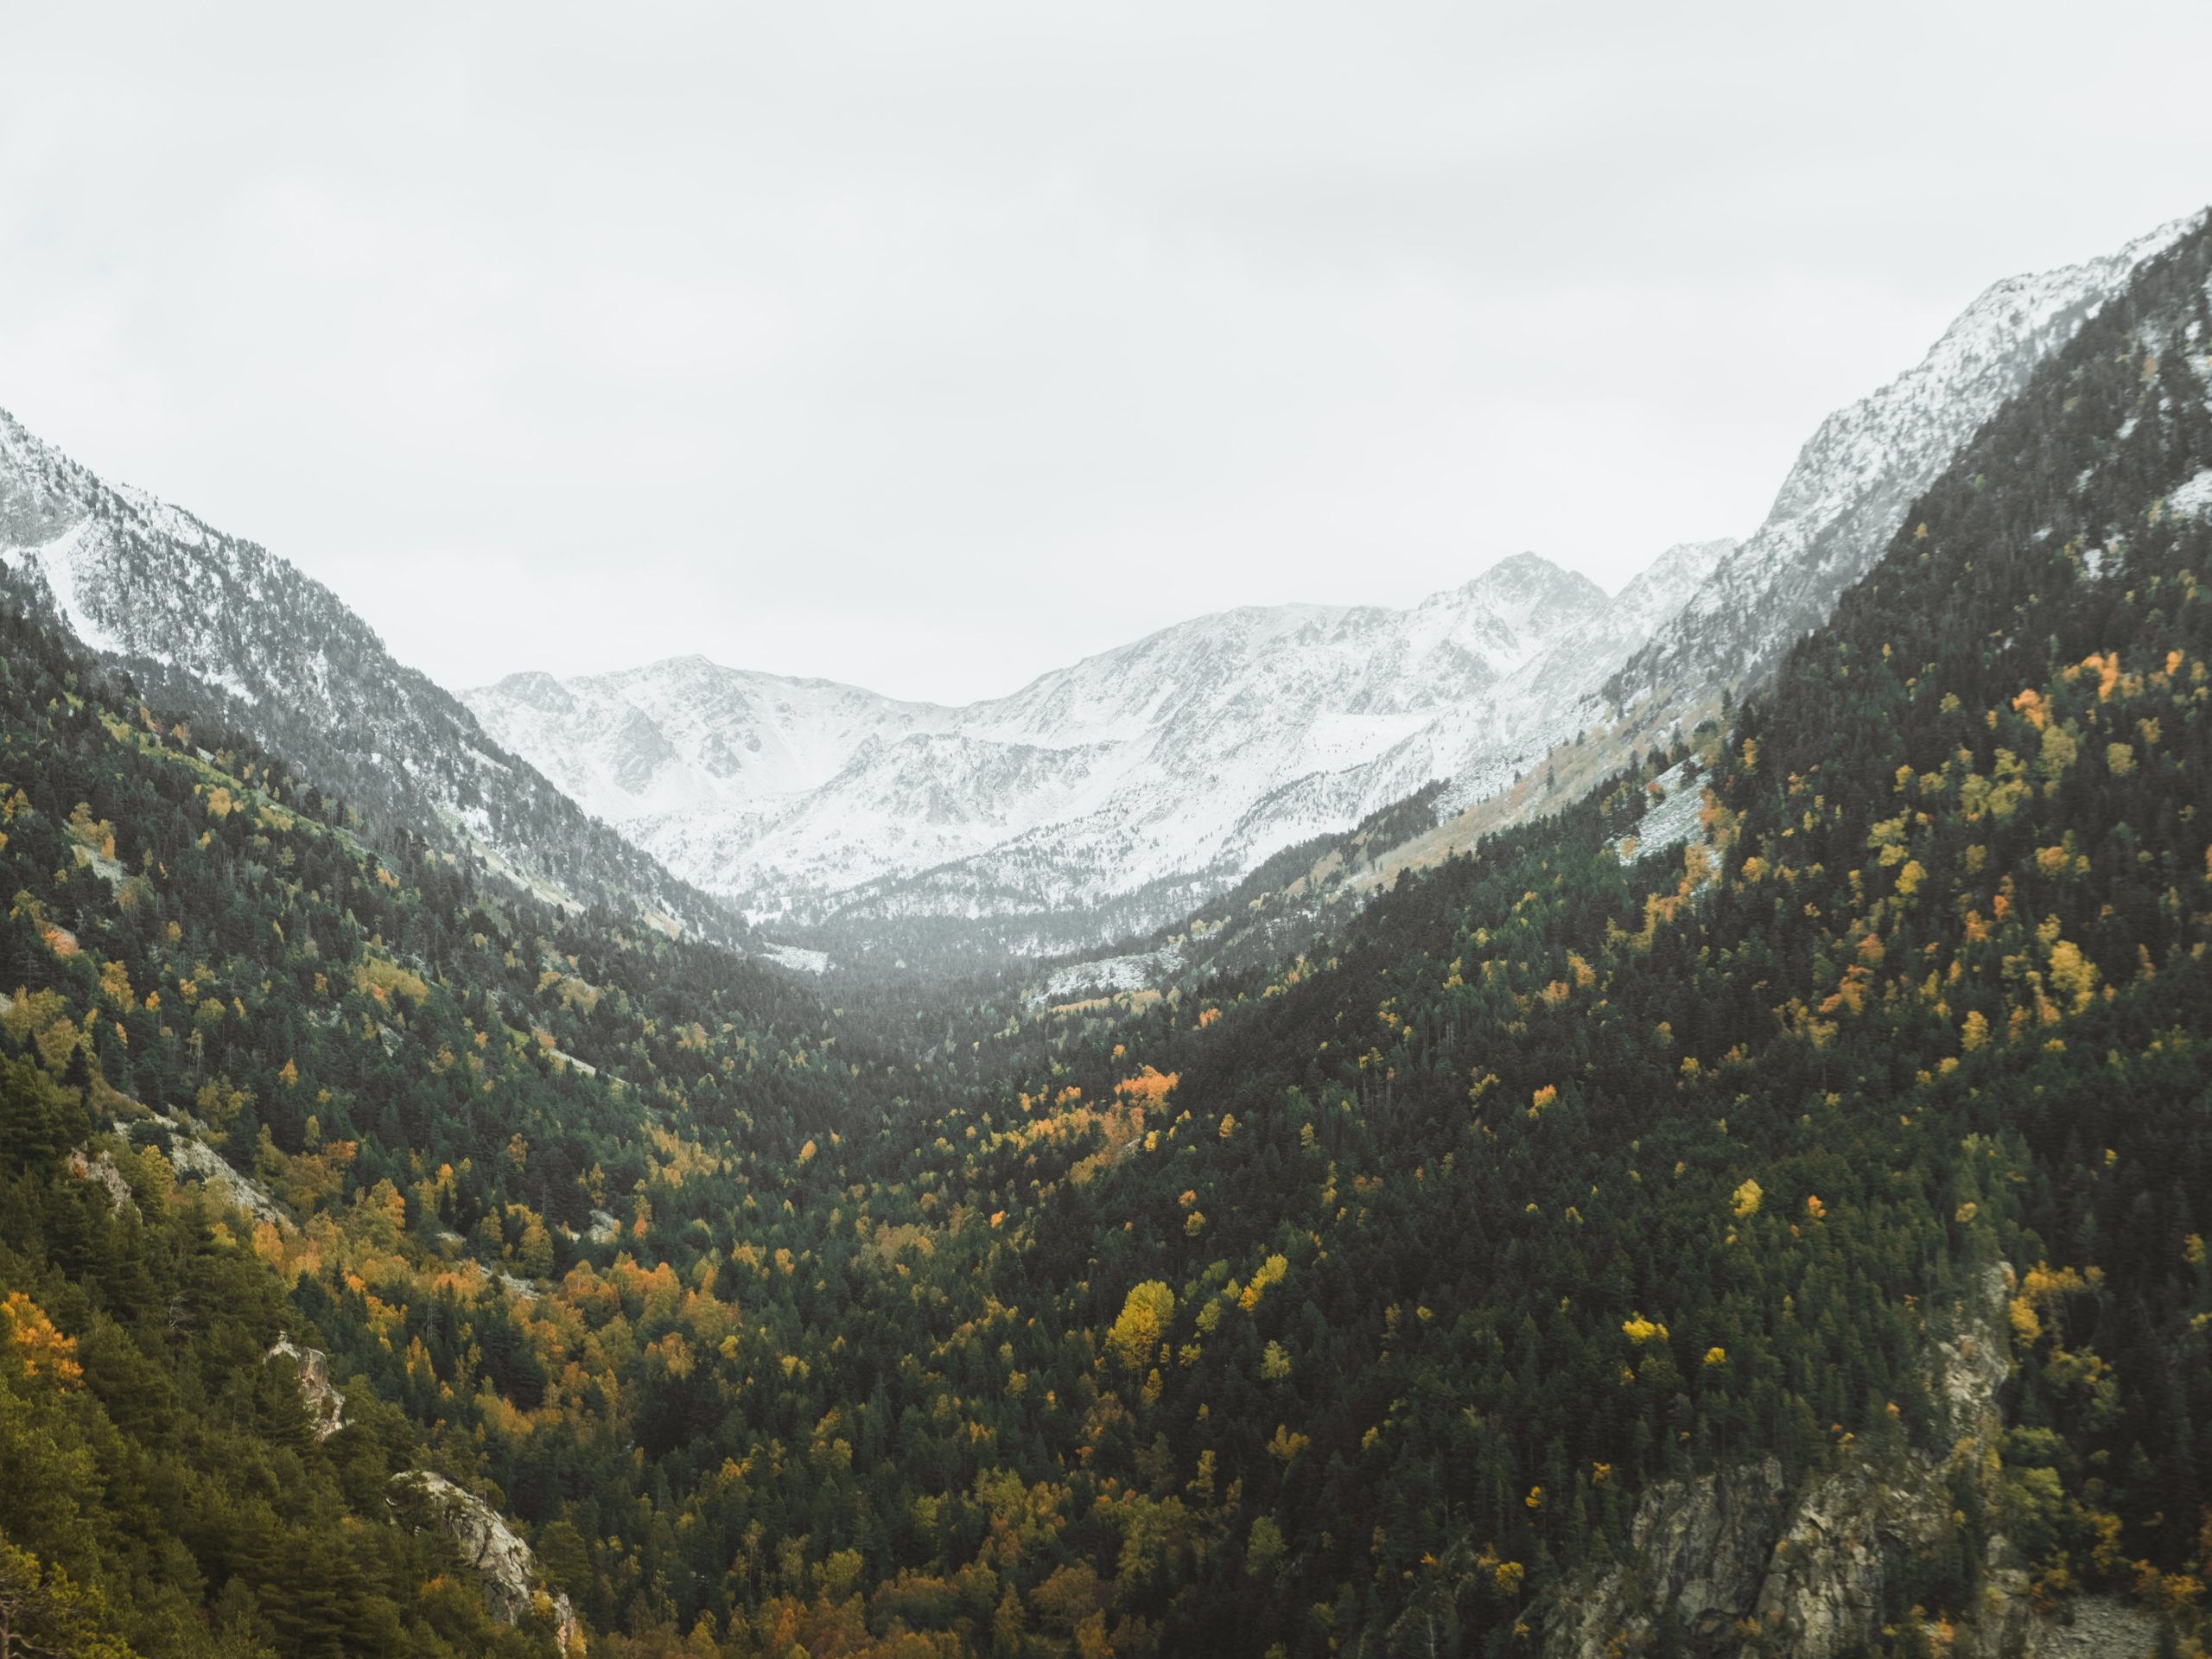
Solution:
(235, 635)
(1859, 471)
(994, 813)
(1153, 774)
(1132, 764)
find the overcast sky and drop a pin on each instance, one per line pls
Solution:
(928, 346)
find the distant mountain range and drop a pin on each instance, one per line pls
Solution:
(1097, 802)
(1193, 752)
(1123, 789)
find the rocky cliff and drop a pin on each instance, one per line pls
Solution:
(1737, 1563)
(504, 1565)
(326, 1404)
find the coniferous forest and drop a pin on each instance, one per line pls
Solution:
(1353, 1301)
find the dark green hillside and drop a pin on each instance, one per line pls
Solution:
(393, 1054)
(1346, 1304)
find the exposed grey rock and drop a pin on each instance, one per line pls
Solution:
(504, 1566)
(1751, 1569)
(564, 1058)
(108, 870)
(2095, 1627)
(102, 1168)
(325, 1405)
(1968, 1362)
(190, 1156)
(1701, 1545)
(1825, 1586)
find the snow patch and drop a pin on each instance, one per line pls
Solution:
(799, 959)
(2194, 499)
(1108, 974)
(1676, 819)
(57, 562)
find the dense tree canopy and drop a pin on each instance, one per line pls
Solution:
(1337, 1303)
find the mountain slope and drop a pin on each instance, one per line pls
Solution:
(226, 632)
(1843, 498)
(234, 1033)
(1110, 795)
(1569, 1197)
(1184, 758)
(1799, 1229)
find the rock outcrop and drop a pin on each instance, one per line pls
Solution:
(99, 1167)
(1701, 1546)
(194, 1159)
(2095, 1627)
(1827, 1585)
(1750, 1568)
(325, 1405)
(504, 1566)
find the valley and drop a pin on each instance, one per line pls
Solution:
(1676, 1122)
(1109, 797)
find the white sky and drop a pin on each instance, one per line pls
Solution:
(928, 346)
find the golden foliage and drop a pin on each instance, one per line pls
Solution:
(1141, 1325)
(1640, 1330)
(1147, 1088)
(42, 1349)
(1271, 1272)
(384, 980)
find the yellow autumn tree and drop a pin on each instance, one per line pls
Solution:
(1270, 1272)
(1639, 1330)
(39, 1349)
(1148, 1088)
(2072, 975)
(1141, 1325)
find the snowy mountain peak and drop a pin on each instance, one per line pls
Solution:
(1681, 567)
(225, 631)
(1158, 758)
(1174, 763)
(1527, 578)
(1860, 471)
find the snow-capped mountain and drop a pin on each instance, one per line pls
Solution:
(1102, 798)
(1853, 480)
(1187, 755)
(227, 632)
(1145, 777)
